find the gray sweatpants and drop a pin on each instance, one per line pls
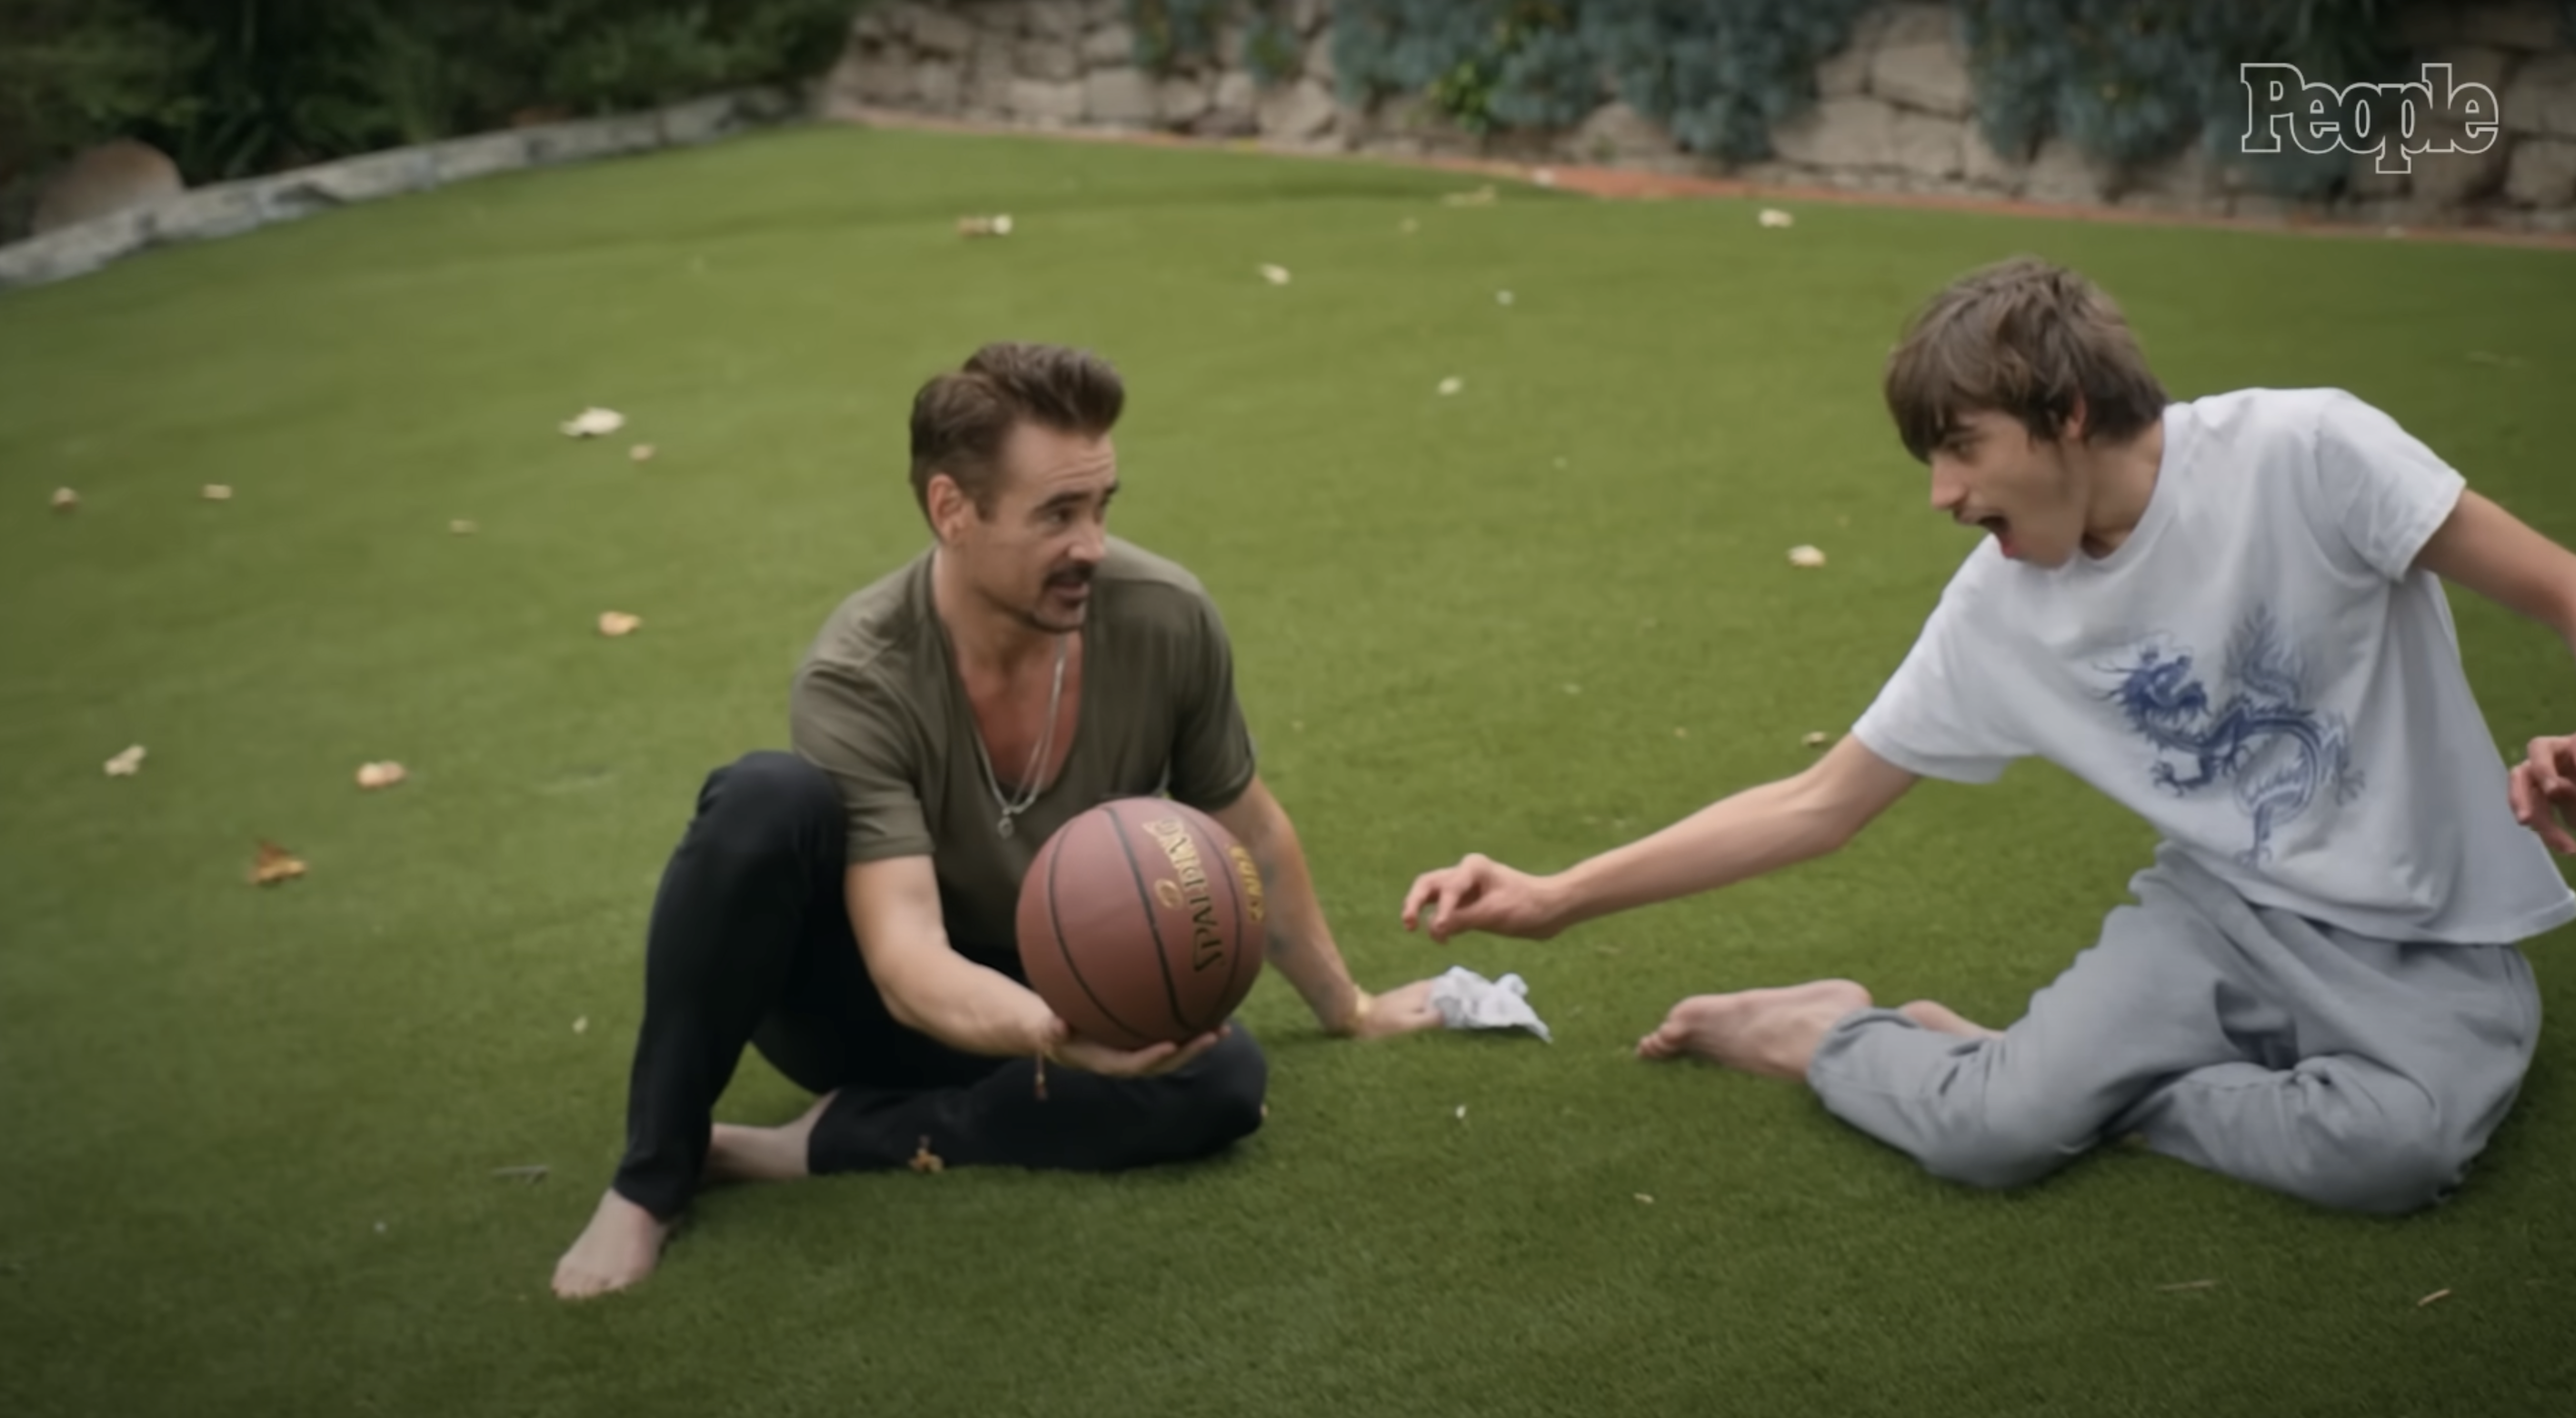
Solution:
(2355, 1073)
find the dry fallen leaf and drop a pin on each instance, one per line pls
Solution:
(530, 1175)
(1275, 275)
(1481, 197)
(1641, 1196)
(126, 764)
(1502, 297)
(581, 1025)
(925, 1160)
(1452, 384)
(999, 225)
(217, 492)
(1681, 733)
(65, 499)
(380, 775)
(641, 452)
(275, 864)
(1462, 1112)
(1817, 740)
(613, 623)
(592, 422)
(461, 527)
(1806, 556)
(1774, 217)
(2438, 1294)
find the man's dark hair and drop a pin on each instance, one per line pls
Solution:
(960, 419)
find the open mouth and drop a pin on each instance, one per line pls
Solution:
(2000, 529)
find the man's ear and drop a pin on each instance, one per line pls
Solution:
(949, 507)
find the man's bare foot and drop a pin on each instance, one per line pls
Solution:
(1942, 1019)
(740, 1154)
(1770, 1032)
(620, 1246)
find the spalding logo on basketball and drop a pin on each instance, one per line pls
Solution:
(1140, 923)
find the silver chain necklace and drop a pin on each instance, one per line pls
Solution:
(1029, 780)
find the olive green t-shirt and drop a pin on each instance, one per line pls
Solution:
(878, 705)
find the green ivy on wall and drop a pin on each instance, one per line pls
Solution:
(1170, 32)
(2133, 81)
(1717, 73)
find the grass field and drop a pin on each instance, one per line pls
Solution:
(251, 1134)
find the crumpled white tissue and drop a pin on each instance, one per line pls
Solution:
(1467, 1000)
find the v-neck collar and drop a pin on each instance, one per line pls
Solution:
(961, 704)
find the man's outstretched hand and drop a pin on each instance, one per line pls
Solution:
(1091, 1056)
(1481, 894)
(2543, 791)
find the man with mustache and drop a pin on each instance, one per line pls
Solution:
(850, 907)
(2228, 614)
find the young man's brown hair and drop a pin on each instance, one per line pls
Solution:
(2028, 340)
(960, 419)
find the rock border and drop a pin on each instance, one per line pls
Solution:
(231, 208)
(1631, 183)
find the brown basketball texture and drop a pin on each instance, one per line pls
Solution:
(1140, 923)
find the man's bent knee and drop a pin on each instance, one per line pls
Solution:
(768, 798)
(1223, 1102)
(771, 782)
(1997, 1155)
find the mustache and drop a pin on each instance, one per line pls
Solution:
(1071, 575)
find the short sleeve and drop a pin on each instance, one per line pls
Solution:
(1940, 714)
(2377, 489)
(1212, 758)
(850, 725)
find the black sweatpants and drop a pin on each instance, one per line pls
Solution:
(751, 942)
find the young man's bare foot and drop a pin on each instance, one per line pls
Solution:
(1770, 1032)
(1942, 1019)
(740, 1154)
(620, 1246)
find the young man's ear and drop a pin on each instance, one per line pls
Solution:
(2073, 427)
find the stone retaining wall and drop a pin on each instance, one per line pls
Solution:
(1894, 111)
(229, 208)
(1893, 115)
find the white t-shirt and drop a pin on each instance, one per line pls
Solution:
(2257, 672)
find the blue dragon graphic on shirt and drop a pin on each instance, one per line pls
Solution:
(2260, 738)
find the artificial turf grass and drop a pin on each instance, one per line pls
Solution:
(1446, 641)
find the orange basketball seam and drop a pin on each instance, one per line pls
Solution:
(1055, 923)
(1153, 919)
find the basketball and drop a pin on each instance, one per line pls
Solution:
(1140, 923)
